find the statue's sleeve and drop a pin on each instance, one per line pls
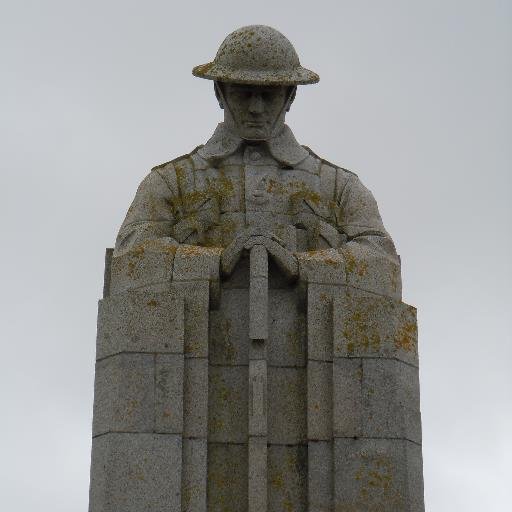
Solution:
(149, 255)
(150, 216)
(370, 256)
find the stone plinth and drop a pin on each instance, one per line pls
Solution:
(191, 414)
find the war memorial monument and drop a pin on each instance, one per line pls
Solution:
(253, 352)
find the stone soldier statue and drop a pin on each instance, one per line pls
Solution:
(253, 353)
(253, 183)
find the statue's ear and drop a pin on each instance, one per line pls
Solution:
(218, 94)
(291, 97)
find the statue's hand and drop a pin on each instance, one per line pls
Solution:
(285, 259)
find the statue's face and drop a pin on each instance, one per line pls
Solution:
(255, 112)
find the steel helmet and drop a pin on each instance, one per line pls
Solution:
(257, 55)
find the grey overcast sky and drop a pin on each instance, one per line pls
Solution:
(415, 96)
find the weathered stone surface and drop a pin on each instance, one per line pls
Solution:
(140, 322)
(372, 271)
(319, 320)
(258, 397)
(377, 475)
(390, 400)
(258, 308)
(169, 370)
(193, 263)
(347, 397)
(320, 476)
(195, 398)
(289, 382)
(135, 472)
(194, 476)
(196, 296)
(322, 266)
(288, 338)
(287, 391)
(319, 412)
(227, 477)
(366, 326)
(228, 401)
(258, 475)
(287, 478)
(229, 329)
(147, 263)
(376, 398)
(124, 394)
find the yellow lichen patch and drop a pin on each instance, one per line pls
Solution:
(153, 303)
(405, 339)
(359, 334)
(377, 490)
(355, 265)
(277, 481)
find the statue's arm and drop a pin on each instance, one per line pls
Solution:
(362, 253)
(359, 219)
(151, 215)
(370, 256)
(150, 249)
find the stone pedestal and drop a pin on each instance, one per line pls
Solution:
(191, 416)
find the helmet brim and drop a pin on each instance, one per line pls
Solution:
(297, 76)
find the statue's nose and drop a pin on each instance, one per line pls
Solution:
(256, 104)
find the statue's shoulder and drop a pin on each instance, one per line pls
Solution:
(181, 162)
(325, 165)
(179, 171)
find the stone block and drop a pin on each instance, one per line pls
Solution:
(320, 476)
(228, 401)
(347, 408)
(229, 329)
(371, 270)
(140, 322)
(194, 474)
(319, 407)
(227, 477)
(366, 326)
(378, 475)
(124, 394)
(390, 400)
(257, 463)
(195, 398)
(135, 472)
(147, 264)
(288, 340)
(287, 478)
(196, 295)
(169, 369)
(287, 392)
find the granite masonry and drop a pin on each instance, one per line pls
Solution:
(253, 353)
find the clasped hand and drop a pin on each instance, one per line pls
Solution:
(285, 259)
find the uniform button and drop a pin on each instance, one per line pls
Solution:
(255, 155)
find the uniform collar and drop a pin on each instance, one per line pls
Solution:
(284, 148)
